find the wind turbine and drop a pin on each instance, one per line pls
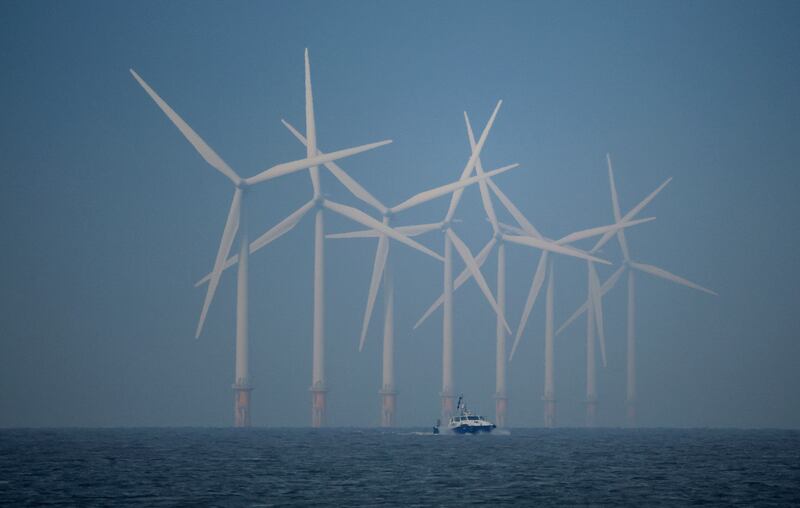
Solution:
(319, 204)
(236, 221)
(631, 266)
(382, 266)
(527, 236)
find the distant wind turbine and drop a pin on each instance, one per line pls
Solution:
(596, 292)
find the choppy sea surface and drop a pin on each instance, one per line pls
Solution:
(351, 467)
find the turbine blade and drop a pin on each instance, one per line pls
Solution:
(377, 274)
(512, 230)
(365, 220)
(466, 255)
(607, 285)
(364, 233)
(460, 280)
(428, 195)
(536, 286)
(274, 233)
(418, 229)
(588, 233)
(514, 211)
(291, 167)
(623, 245)
(228, 235)
(311, 128)
(476, 152)
(597, 303)
(350, 184)
(485, 197)
(197, 142)
(409, 231)
(631, 214)
(282, 227)
(614, 198)
(553, 247)
(638, 208)
(659, 272)
(575, 315)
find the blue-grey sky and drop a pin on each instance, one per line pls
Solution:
(109, 215)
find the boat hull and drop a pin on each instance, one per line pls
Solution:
(472, 429)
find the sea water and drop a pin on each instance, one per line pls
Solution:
(352, 467)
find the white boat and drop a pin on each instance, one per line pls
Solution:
(465, 422)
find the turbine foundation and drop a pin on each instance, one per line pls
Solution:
(318, 406)
(631, 413)
(549, 412)
(448, 405)
(591, 412)
(241, 414)
(388, 407)
(501, 410)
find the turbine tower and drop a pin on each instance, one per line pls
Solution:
(382, 269)
(630, 266)
(237, 221)
(319, 204)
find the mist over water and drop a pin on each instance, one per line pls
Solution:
(350, 467)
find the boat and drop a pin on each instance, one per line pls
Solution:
(465, 422)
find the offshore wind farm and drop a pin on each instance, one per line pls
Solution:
(399, 253)
(337, 314)
(523, 234)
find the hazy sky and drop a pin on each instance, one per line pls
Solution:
(109, 215)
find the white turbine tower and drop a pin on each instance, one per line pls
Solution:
(236, 221)
(528, 236)
(630, 266)
(318, 203)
